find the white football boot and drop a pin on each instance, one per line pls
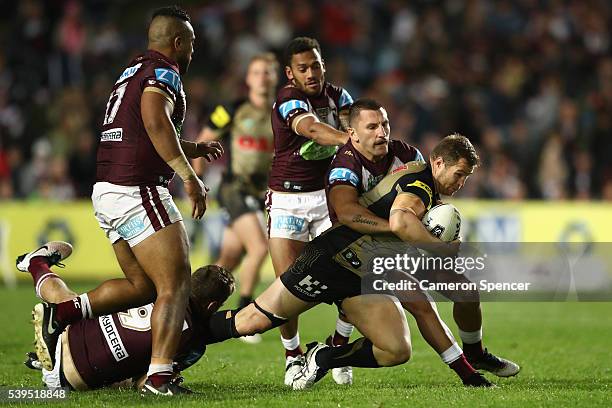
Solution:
(293, 365)
(54, 251)
(311, 373)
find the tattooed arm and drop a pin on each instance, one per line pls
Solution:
(345, 202)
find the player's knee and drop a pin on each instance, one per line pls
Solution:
(250, 321)
(401, 352)
(420, 309)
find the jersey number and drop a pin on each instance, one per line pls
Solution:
(113, 104)
(138, 319)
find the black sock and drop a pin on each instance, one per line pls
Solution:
(244, 301)
(356, 354)
(222, 326)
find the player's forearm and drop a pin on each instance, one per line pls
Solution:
(360, 219)
(407, 227)
(163, 137)
(326, 135)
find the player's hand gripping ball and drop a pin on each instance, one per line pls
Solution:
(443, 221)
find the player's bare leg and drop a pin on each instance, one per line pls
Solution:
(136, 288)
(164, 256)
(386, 340)
(284, 252)
(249, 231)
(271, 309)
(467, 314)
(231, 250)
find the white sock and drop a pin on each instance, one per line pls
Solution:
(291, 344)
(451, 354)
(343, 328)
(159, 368)
(471, 337)
(86, 306)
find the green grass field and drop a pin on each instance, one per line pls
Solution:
(565, 350)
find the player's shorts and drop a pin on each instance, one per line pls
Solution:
(316, 277)
(133, 213)
(236, 199)
(298, 216)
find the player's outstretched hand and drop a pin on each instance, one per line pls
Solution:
(196, 191)
(210, 150)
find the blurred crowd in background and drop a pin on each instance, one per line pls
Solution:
(528, 81)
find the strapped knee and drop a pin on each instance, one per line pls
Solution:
(275, 320)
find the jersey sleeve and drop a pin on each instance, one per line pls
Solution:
(164, 80)
(290, 104)
(418, 185)
(343, 171)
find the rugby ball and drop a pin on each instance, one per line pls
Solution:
(443, 221)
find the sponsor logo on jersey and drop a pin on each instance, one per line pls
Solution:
(343, 174)
(113, 339)
(289, 223)
(128, 72)
(169, 77)
(112, 135)
(131, 228)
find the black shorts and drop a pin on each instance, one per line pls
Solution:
(237, 199)
(316, 277)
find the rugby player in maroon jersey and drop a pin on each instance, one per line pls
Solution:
(307, 120)
(140, 150)
(116, 348)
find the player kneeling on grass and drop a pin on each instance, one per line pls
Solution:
(322, 273)
(115, 349)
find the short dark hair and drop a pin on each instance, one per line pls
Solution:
(172, 11)
(299, 45)
(362, 104)
(455, 147)
(211, 283)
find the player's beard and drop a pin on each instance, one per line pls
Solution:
(183, 64)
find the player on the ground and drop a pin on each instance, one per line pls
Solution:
(114, 348)
(306, 119)
(358, 166)
(139, 153)
(246, 124)
(330, 270)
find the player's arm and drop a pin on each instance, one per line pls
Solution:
(308, 125)
(405, 222)
(344, 200)
(156, 108)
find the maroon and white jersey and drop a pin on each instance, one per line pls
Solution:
(299, 164)
(126, 155)
(351, 168)
(117, 347)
